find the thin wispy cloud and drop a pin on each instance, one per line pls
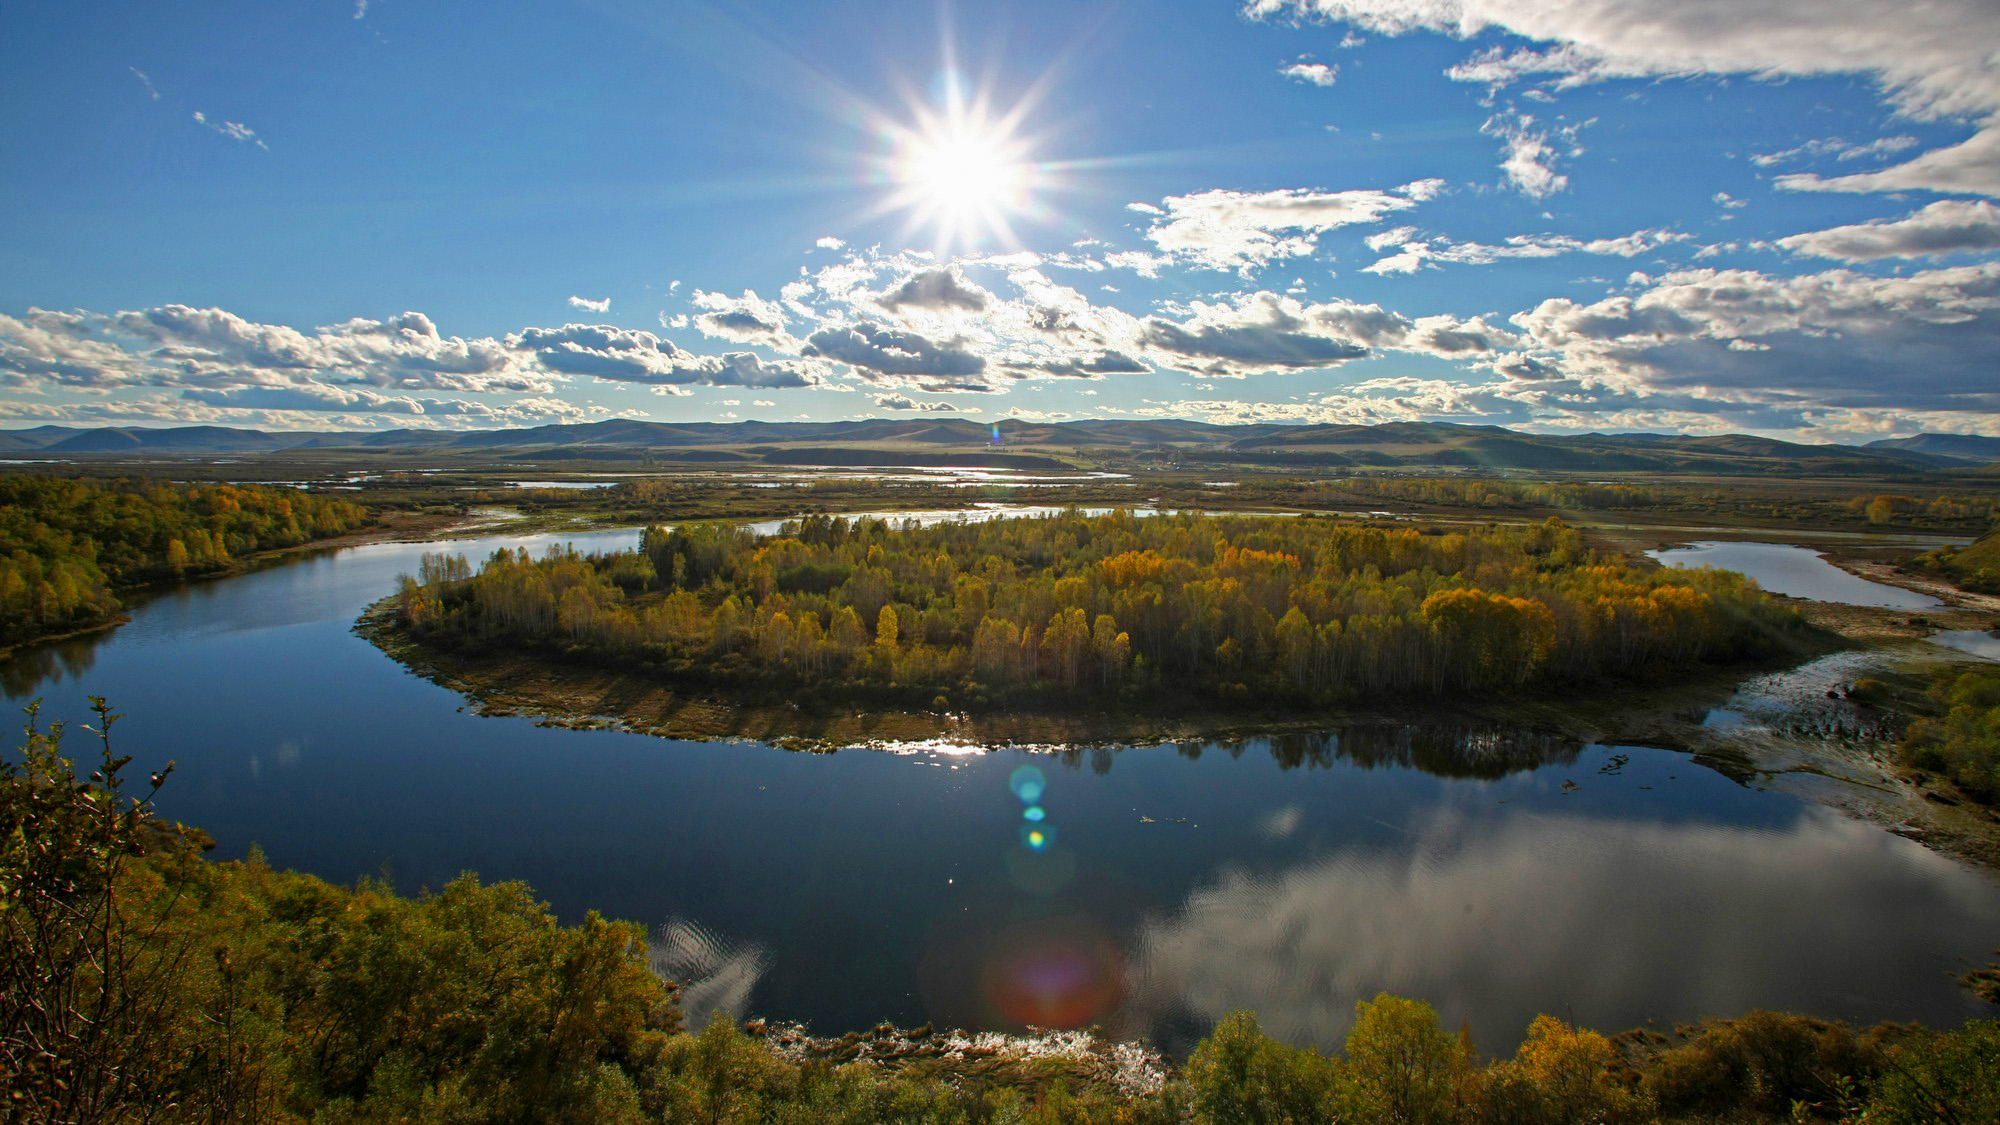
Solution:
(234, 130)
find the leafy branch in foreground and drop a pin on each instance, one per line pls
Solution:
(85, 981)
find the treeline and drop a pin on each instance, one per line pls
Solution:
(1962, 741)
(139, 981)
(1875, 509)
(1894, 508)
(1505, 493)
(968, 614)
(67, 546)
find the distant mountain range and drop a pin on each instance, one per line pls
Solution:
(889, 441)
(1962, 447)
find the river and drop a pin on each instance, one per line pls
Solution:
(1496, 873)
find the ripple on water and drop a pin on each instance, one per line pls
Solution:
(716, 973)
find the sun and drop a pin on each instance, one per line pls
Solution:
(962, 173)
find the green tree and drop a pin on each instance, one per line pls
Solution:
(1240, 1076)
(1403, 1059)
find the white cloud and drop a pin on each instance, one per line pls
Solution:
(1972, 167)
(1531, 153)
(635, 356)
(1312, 73)
(1244, 231)
(936, 290)
(748, 319)
(1837, 148)
(1138, 261)
(1945, 227)
(1265, 332)
(597, 305)
(234, 130)
(1934, 61)
(1415, 254)
(905, 402)
(1837, 339)
(899, 355)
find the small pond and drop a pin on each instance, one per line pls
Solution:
(1798, 572)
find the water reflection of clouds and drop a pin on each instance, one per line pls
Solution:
(1609, 923)
(715, 974)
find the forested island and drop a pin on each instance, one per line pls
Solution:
(69, 547)
(1022, 612)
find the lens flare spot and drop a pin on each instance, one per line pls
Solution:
(1035, 813)
(1059, 973)
(1038, 838)
(1028, 784)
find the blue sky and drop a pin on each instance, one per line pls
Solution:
(1559, 215)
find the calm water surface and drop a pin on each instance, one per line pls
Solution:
(1496, 873)
(1981, 643)
(1797, 572)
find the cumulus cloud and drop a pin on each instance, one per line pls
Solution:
(212, 360)
(1262, 333)
(1417, 253)
(1529, 163)
(1267, 332)
(748, 319)
(1311, 73)
(1244, 231)
(905, 402)
(273, 410)
(635, 356)
(1933, 61)
(314, 397)
(1945, 227)
(1836, 339)
(182, 345)
(936, 289)
(597, 305)
(882, 350)
(1085, 367)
